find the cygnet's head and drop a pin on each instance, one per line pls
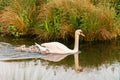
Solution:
(79, 32)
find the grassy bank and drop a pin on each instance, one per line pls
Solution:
(58, 19)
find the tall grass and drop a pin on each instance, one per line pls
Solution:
(97, 21)
(18, 14)
(58, 19)
(4, 3)
(62, 16)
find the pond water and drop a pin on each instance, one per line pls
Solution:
(99, 61)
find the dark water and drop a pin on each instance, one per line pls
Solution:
(99, 61)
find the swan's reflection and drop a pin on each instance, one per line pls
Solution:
(8, 54)
(54, 57)
(58, 57)
(76, 61)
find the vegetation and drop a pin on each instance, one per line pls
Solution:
(58, 19)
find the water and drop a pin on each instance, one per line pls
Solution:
(99, 61)
(31, 70)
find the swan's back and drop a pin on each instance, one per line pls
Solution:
(56, 47)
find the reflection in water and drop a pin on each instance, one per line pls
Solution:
(76, 61)
(30, 71)
(99, 62)
(54, 57)
(96, 55)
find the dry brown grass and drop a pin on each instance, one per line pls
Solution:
(10, 17)
(97, 19)
(68, 8)
(18, 14)
(100, 20)
(102, 34)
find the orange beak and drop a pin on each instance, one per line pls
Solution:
(82, 34)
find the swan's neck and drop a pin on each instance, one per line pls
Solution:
(76, 45)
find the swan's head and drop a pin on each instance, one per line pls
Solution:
(79, 32)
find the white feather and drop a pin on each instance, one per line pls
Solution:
(59, 48)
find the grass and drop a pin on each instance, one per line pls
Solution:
(58, 19)
(81, 14)
(97, 19)
(18, 15)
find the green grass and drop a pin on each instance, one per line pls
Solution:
(58, 19)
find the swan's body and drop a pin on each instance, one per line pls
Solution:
(59, 48)
(54, 47)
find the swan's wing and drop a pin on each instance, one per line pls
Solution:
(56, 47)
(43, 50)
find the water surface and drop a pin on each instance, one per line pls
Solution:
(99, 61)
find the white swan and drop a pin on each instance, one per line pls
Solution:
(58, 48)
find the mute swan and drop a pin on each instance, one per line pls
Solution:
(59, 48)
